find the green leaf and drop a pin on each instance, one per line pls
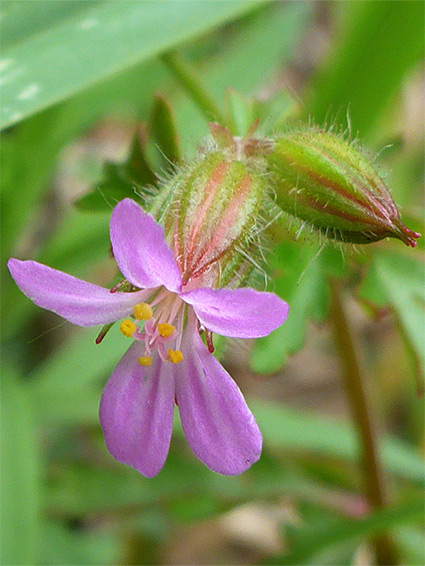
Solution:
(121, 180)
(300, 279)
(163, 129)
(78, 244)
(20, 474)
(288, 429)
(241, 111)
(399, 281)
(38, 150)
(23, 20)
(87, 547)
(114, 187)
(82, 489)
(86, 489)
(137, 166)
(279, 111)
(67, 387)
(315, 538)
(377, 44)
(411, 542)
(265, 40)
(298, 288)
(83, 47)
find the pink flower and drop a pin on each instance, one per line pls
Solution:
(168, 361)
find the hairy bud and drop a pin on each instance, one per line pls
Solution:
(324, 180)
(209, 208)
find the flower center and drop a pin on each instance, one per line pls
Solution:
(163, 325)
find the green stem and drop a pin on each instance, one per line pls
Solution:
(186, 76)
(361, 414)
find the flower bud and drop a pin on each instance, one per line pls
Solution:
(324, 180)
(209, 208)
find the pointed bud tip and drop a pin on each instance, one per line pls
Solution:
(403, 233)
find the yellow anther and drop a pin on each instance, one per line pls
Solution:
(142, 311)
(128, 328)
(175, 356)
(166, 329)
(144, 360)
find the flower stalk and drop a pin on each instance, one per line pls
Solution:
(184, 74)
(361, 413)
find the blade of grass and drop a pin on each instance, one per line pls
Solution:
(99, 41)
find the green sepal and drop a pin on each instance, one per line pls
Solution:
(397, 280)
(241, 112)
(162, 128)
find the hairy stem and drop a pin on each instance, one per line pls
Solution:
(362, 418)
(186, 76)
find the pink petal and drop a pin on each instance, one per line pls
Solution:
(218, 425)
(136, 412)
(79, 302)
(140, 249)
(240, 313)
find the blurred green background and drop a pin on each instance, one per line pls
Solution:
(76, 79)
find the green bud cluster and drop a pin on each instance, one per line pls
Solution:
(211, 206)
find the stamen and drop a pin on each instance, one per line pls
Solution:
(142, 311)
(165, 329)
(179, 327)
(103, 332)
(163, 294)
(118, 286)
(175, 308)
(150, 327)
(144, 360)
(128, 328)
(175, 356)
(162, 353)
(209, 340)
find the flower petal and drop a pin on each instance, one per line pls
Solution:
(239, 313)
(136, 412)
(140, 250)
(218, 425)
(79, 302)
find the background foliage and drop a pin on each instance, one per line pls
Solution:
(76, 78)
